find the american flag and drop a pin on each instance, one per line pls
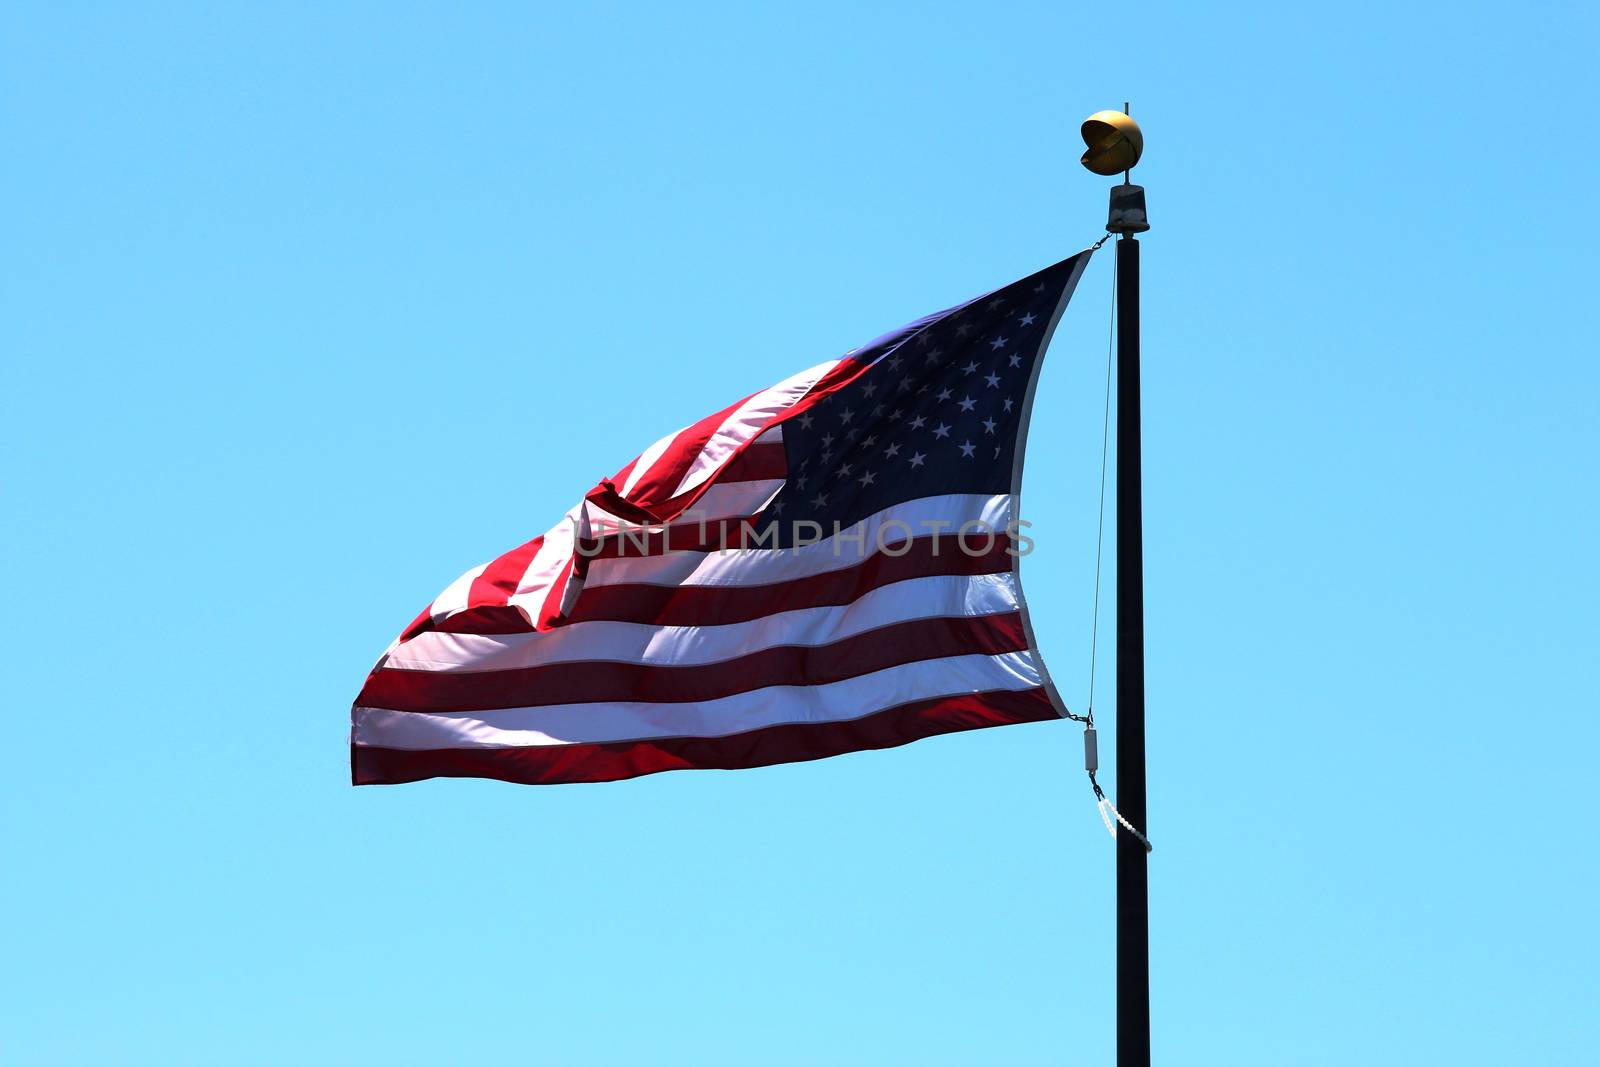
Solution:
(828, 565)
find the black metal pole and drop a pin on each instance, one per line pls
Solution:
(1133, 908)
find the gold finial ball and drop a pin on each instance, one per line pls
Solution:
(1114, 140)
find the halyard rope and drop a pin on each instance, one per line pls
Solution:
(1107, 810)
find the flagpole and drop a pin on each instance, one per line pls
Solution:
(1133, 926)
(1115, 143)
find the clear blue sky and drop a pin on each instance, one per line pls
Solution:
(308, 309)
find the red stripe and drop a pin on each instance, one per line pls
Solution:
(753, 463)
(840, 376)
(756, 463)
(660, 482)
(621, 477)
(490, 619)
(797, 665)
(493, 588)
(419, 625)
(714, 605)
(793, 743)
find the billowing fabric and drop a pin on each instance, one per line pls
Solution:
(825, 566)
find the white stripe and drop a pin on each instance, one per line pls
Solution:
(647, 459)
(763, 566)
(454, 597)
(941, 596)
(725, 500)
(746, 421)
(560, 724)
(545, 567)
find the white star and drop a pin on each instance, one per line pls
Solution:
(827, 440)
(963, 330)
(868, 390)
(916, 459)
(895, 414)
(988, 425)
(895, 360)
(945, 394)
(918, 422)
(996, 302)
(843, 471)
(827, 455)
(905, 383)
(866, 479)
(847, 414)
(967, 403)
(870, 441)
(877, 410)
(993, 380)
(967, 448)
(998, 342)
(1016, 360)
(852, 433)
(970, 367)
(996, 451)
(805, 421)
(803, 479)
(922, 340)
(1039, 288)
(1027, 320)
(941, 430)
(820, 500)
(1008, 403)
(933, 356)
(891, 452)
(777, 509)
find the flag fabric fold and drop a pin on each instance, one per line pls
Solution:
(826, 566)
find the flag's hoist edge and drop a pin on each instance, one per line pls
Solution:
(551, 760)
